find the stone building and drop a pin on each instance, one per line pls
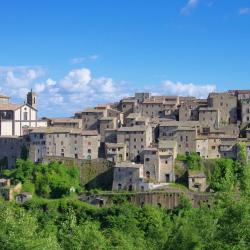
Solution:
(63, 142)
(226, 103)
(185, 138)
(136, 119)
(11, 147)
(189, 108)
(241, 94)
(90, 118)
(136, 138)
(107, 123)
(127, 176)
(115, 152)
(245, 110)
(168, 128)
(64, 122)
(152, 107)
(197, 181)
(128, 105)
(159, 162)
(209, 118)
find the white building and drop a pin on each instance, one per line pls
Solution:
(15, 118)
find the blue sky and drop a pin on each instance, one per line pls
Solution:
(79, 53)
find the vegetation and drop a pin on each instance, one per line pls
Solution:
(67, 223)
(71, 224)
(53, 180)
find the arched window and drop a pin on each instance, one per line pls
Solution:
(119, 186)
(148, 175)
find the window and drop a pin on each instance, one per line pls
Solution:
(147, 159)
(213, 147)
(25, 116)
(89, 151)
(148, 175)
(166, 162)
(134, 139)
(181, 138)
(61, 142)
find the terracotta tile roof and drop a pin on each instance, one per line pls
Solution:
(4, 97)
(10, 106)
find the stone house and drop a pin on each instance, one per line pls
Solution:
(159, 162)
(127, 176)
(115, 152)
(128, 105)
(90, 118)
(11, 147)
(116, 114)
(107, 123)
(167, 128)
(185, 138)
(245, 111)
(241, 94)
(226, 103)
(63, 142)
(152, 107)
(110, 135)
(136, 119)
(136, 138)
(209, 117)
(197, 181)
(189, 108)
(64, 122)
(227, 147)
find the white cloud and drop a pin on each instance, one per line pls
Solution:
(76, 80)
(93, 57)
(191, 4)
(50, 82)
(39, 87)
(244, 11)
(79, 89)
(19, 77)
(78, 60)
(188, 89)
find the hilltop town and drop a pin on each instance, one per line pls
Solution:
(142, 136)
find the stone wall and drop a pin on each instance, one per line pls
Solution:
(93, 173)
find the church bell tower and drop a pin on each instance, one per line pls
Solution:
(31, 99)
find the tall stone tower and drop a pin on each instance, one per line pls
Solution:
(31, 99)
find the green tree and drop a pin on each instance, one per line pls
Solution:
(19, 230)
(222, 177)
